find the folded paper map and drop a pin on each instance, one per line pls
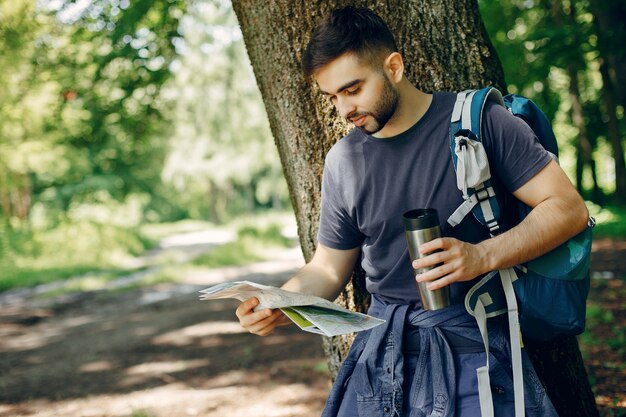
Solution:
(310, 313)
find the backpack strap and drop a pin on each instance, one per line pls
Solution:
(489, 297)
(466, 139)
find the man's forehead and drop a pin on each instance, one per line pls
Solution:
(335, 75)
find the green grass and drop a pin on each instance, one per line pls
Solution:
(32, 257)
(97, 253)
(252, 245)
(25, 277)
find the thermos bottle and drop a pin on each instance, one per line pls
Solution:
(421, 226)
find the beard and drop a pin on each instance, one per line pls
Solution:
(383, 110)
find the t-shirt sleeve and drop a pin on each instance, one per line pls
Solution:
(338, 227)
(514, 152)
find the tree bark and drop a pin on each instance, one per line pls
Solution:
(556, 363)
(445, 47)
(584, 148)
(609, 16)
(615, 139)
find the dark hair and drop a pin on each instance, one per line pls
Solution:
(350, 29)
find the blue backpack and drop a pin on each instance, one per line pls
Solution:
(546, 297)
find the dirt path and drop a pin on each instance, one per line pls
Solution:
(159, 351)
(139, 353)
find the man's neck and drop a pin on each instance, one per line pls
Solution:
(412, 105)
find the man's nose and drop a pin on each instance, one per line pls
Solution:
(344, 106)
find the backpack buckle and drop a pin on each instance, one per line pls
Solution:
(466, 133)
(483, 194)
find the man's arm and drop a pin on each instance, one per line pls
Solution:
(558, 213)
(324, 276)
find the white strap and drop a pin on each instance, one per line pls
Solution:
(507, 277)
(488, 214)
(463, 210)
(458, 106)
(482, 373)
(461, 170)
(466, 207)
(466, 120)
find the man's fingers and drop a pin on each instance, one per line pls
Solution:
(442, 282)
(431, 260)
(262, 322)
(265, 326)
(253, 318)
(433, 245)
(246, 307)
(436, 273)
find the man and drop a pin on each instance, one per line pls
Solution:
(396, 159)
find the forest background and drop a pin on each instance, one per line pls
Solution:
(115, 114)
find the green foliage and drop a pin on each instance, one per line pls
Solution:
(222, 159)
(597, 315)
(106, 99)
(81, 110)
(541, 44)
(30, 257)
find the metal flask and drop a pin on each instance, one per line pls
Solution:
(421, 226)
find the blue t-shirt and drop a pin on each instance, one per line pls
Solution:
(370, 182)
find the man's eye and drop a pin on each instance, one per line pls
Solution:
(352, 92)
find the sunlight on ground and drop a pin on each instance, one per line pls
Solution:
(177, 399)
(153, 368)
(184, 336)
(215, 237)
(144, 372)
(97, 366)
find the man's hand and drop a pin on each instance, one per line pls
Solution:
(262, 322)
(455, 261)
(558, 213)
(324, 276)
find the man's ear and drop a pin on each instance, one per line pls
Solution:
(394, 67)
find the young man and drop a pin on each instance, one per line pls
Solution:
(396, 159)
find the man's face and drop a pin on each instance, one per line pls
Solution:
(359, 92)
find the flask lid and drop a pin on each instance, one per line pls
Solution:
(418, 219)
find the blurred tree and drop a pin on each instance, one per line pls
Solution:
(609, 18)
(113, 100)
(445, 47)
(221, 159)
(572, 59)
(82, 110)
(560, 55)
(111, 72)
(613, 132)
(25, 104)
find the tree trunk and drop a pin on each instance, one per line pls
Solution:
(609, 16)
(445, 47)
(615, 139)
(584, 149)
(556, 363)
